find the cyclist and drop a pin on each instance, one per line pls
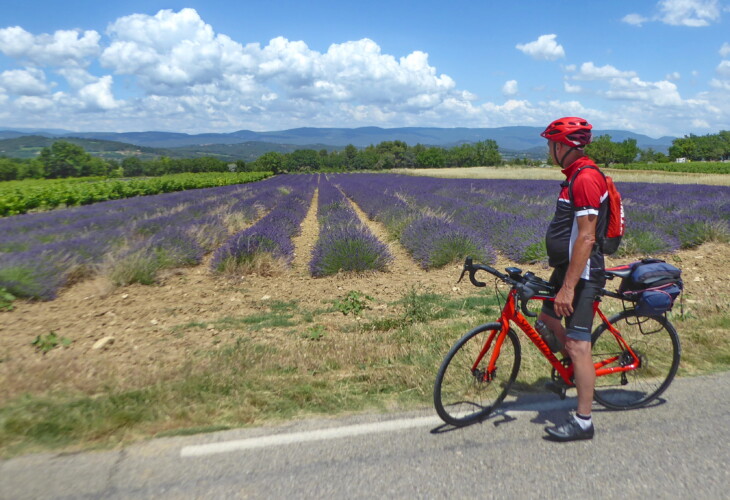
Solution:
(578, 264)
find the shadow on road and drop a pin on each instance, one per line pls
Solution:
(550, 410)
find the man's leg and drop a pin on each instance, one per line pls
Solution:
(584, 373)
(577, 338)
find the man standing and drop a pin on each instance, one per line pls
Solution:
(574, 251)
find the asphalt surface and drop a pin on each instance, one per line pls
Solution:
(676, 448)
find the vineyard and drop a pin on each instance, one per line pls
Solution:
(294, 295)
(19, 197)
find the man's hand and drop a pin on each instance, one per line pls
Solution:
(563, 305)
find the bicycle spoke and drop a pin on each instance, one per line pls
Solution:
(463, 395)
(654, 341)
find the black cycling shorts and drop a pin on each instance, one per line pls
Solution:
(579, 325)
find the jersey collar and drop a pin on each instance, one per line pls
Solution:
(579, 163)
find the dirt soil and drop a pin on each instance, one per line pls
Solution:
(126, 337)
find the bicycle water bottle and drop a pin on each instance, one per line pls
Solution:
(548, 336)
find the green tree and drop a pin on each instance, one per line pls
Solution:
(626, 151)
(8, 169)
(133, 166)
(487, 153)
(33, 169)
(64, 159)
(302, 160)
(365, 159)
(270, 162)
(349, 157)
(684, 147)
(602, 150)
(431, 158)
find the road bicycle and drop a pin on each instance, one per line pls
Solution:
(635, 357)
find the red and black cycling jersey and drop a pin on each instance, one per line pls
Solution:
(590, 196)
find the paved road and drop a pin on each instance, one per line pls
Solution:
(679, 448)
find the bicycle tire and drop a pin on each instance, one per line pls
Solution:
(462, 397)
(654, 339)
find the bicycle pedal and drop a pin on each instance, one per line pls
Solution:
(557, 388)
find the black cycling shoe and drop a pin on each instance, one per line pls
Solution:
(569, 431)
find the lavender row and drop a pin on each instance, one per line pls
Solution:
(432, 237)
(130, 240)
(513, 215)
(344, 243)
(271, 237)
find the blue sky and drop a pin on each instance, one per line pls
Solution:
(653, 67)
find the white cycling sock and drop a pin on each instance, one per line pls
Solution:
(583, 421)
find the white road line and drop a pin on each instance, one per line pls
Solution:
(302, 437)
(340, 432)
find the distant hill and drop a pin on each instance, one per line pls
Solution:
(247, 144)
(29, 146)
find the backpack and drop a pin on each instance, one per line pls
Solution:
(653, 285)
(616, 224)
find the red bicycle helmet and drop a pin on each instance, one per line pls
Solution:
(570, 130)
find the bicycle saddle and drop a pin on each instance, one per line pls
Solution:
(618, 271)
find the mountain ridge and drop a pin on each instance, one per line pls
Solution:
(517, 140)
(513, 141)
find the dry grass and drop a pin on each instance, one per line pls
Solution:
(553, 173)
(289, 361)
(260, 263)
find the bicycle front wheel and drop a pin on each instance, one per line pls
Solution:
(655, 342)
(463, 395)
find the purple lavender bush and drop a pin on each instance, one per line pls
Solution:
(344, 243)
(513, 215)
(272, 235)
(42, 252)
(435, 242)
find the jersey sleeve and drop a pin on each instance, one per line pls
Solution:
(589, 191)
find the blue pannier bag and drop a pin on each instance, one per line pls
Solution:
(653, 286)
(657, 301)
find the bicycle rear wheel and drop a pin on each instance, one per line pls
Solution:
(463, 396)
(655, 342)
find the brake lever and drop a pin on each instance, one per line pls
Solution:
(525, 294)
(467, 267)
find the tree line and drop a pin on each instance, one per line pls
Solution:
(711, 147)
(64, 159)
(384, 156)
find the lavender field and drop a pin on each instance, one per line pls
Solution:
(438, 221)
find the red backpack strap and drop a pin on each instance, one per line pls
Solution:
(572, 179)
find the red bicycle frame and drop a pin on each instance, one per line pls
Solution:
(511, 313)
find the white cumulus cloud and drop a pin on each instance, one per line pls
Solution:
(661, 93)
(24, 82)
(178, 54)
(725, 49)
(723, 69)
(589, 71)
(635, 19)
(692, 13)
(545, 47)
(98, 95)
(62, 48)
(510, 88)
(572, 89)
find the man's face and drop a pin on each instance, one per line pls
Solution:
(553, 151)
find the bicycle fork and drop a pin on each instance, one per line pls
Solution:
(488, 374)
